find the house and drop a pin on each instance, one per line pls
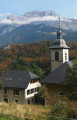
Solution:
(19, 87)
(59, 63)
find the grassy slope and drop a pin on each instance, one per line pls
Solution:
(22, 111)
(2, 117)
(30, 112)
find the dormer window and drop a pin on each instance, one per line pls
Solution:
(34, 81)
(56, 56)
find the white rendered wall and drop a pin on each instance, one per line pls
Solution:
(32, 86)
(65, 51)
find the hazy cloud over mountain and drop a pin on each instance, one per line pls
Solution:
(35, 16)
(38, 17)
(26, 20)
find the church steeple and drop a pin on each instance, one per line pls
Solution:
(59, 33)
(59, 42)
(59, 50)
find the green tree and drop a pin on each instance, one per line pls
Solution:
(71, 81)
(37, 70)
(47, 71)
(42, 95)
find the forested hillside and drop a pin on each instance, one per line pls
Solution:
(34, 57)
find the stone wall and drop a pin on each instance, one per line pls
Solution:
(56, 64)
(54, 91)
(11, 97)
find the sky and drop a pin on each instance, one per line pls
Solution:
(66, 8)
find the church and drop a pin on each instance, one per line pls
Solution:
(59, 63)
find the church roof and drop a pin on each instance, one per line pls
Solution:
(59, 42)
(58, 75)
(18, 79)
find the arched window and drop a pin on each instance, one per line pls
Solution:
(56, 56)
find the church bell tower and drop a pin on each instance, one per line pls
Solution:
(59, 50)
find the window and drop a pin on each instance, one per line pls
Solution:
(28, 92)
(28, 101)
(62, 93)
(56, 56)
(5, 91)
(35, 89)
(6, 100)
(16, 100)
(32, 90)
(16, 92)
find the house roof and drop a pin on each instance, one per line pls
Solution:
(17, 79)
(58, 75)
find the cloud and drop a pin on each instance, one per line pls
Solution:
(26, 20)
(6, 21)
(75, 18)
(45, 18)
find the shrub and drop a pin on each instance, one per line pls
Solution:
(71, 113)
(57, 111)
(62, 111)
(41, 96)
(73, 96)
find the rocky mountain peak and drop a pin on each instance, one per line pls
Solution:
(40, 13)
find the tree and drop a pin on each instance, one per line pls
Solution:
(1, 74)
(47, 71)
(40, 98)
(71, 81)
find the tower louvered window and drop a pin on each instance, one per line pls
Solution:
(56, 56)
(65, 56)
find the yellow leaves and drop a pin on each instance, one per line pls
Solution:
(73, 53)
(75, 63)
(3, 65)
(70, 75)
(28, 59)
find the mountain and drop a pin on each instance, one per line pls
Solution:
(4, 29)
(38, 17)
(32, 33)
(35, 26)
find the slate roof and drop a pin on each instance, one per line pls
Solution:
(58, 75)
(59, 43)
(18, 79)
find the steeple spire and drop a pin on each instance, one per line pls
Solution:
(59, 33)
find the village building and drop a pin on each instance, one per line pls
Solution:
(19, 87)
(59, 63)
